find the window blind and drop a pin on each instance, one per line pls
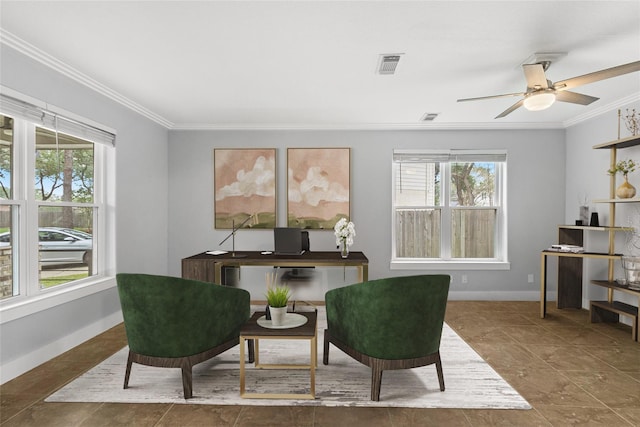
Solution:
(441, 156)
(55, 121)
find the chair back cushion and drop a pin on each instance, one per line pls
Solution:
(392, 318)
(175, 317)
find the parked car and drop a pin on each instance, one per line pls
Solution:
(60, 245)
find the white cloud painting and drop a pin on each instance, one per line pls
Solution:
(317, 186)
(245, 186)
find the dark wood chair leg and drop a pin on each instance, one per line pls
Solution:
(440, 374)
(325, 351)
(252, 351)
(187, 381)
(376, 381)
(127, 373)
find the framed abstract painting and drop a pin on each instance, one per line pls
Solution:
(244, 187)
(318, 187)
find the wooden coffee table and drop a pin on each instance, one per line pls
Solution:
(252, 331)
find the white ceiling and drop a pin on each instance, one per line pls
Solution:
(312, 64)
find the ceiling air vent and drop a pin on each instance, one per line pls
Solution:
(388, 63)
(429, 117)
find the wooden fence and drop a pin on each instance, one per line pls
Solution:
(81, 218)
(418, 233)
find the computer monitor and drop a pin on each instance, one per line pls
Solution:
(287, 241)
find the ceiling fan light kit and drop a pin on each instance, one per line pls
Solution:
(538, 101)
(541, 93)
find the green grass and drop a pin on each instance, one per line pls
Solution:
(53, 281)
(278, 296)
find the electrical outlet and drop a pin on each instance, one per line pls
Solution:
(530, 278)
(463, 279)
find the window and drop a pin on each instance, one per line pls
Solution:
(449, 207)
(64, 192)
(51, 200)
(8, 210)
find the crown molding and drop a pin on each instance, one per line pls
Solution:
(368, 126)
(602, 110)
(44, 58)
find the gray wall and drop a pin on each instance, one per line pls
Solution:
(141, 210)
(536, 164)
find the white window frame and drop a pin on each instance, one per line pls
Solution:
(31, 298)
(500, 262)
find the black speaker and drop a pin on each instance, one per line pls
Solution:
(305, 240)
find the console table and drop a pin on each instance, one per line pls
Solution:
(208, 268)
(569, 294)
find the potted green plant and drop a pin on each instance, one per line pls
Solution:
(625, 167)
(277, 299)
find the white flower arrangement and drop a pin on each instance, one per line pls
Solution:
(345, 231)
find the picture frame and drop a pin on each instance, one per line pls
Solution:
(318, 187)
(244, 188)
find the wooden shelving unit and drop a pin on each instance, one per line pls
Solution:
(632, 200)
(611, 310)
(630, 141)
(591, 228)
(570, 264)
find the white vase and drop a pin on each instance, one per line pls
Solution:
(277, 315)
(584, 215)
(631, 266)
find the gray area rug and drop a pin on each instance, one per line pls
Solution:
(470, 382)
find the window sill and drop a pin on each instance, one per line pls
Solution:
(449, 265)
(13, 310)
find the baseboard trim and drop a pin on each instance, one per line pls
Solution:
(15, 368)
(495, 296)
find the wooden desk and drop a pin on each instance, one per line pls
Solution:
(208, 268)
(572, 296)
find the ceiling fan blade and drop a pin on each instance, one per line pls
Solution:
(598, 75)
(491, 97)
(534, 73)
(575, 98)
(511, 109)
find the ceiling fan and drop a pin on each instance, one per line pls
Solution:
(541, 93)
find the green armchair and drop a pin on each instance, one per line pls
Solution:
(177, 323)
(393, 323)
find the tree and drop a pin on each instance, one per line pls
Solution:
(65, 175)
(64, 172)
(485, 183)
(5, 171)
(473, 183)
(47, 174)
(463, 183)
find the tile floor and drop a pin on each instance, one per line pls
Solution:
(571, 371)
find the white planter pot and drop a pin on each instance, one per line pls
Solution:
(277, 315)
